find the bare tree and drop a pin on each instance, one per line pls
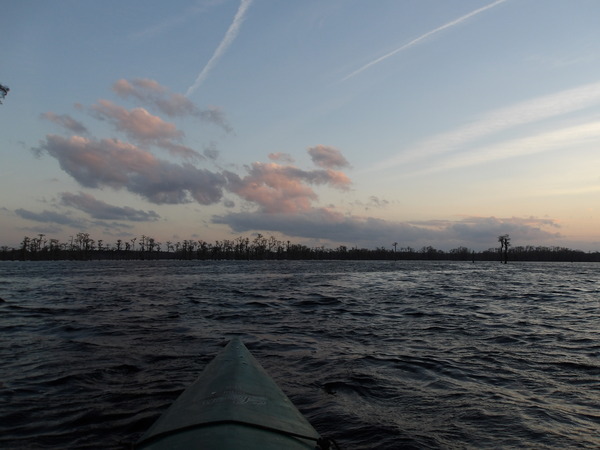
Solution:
(504, 244)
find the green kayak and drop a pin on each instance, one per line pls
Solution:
(234, 404)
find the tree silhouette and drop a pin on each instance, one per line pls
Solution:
(83, 247)
(504, 244)
(3, 91)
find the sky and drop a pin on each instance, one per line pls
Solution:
(347, 122)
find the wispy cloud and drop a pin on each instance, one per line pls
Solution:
(176, 20)
(423, 37)
(65, 121)
(49, 217)
(98, 209)
(281, 157)
(522, 113)
(572, 137)
(230, 36)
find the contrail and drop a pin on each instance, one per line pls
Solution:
(230, 36)
(424, 36)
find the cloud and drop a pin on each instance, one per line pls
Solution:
(152, 94)
(570, 137)
(327, 157)
(211, 152)
(423, 37)
(100, 210)
(176, 20)
(281, 157)
(141, 126)
(373, 202)
(66, 122)
(215, 115)
(181, 151)
(230, 36)
(278, 188)
(119, 165)
(138, 124)
(522, 113)
(49, 217)
(487, 229)
(324, 224)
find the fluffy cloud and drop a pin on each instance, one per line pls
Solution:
(327, 157)
(137, 123)
(103, 211)
(273, 188)
(117, 164)
(141, 126)
(66, 122)
(277, 188)
(152, 94)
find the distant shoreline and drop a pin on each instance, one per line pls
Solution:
(514, 255)
(83, 247)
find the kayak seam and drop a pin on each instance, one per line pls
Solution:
(159, 436)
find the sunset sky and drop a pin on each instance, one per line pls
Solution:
(338, 122)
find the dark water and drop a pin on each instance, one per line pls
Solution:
(378, 355)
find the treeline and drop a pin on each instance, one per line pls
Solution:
(83, 247)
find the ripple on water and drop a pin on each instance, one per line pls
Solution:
(376, 354)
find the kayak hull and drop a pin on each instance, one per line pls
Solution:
(233, 404)
(228, 436)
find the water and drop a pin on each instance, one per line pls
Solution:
(375, 354)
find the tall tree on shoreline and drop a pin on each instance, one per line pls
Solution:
(504, 244)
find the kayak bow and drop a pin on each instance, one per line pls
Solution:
(234, 404)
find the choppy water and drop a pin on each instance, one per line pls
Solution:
(375, 354)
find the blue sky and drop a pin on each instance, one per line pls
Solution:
(345, 122)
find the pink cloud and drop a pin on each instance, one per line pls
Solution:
(119, 165)
(268, 186)
(277, 188)
(337, 179)
(152, 94)
(97, 163)
(141, 126)
(137, 123)
(327, 157)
